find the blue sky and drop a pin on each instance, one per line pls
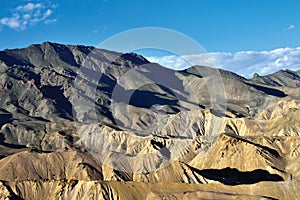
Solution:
(218, 25)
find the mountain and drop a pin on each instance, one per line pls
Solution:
(287, 78)
(81, 122)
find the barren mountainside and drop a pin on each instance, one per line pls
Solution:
(77, 122)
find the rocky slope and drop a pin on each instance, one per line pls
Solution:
(79, 122)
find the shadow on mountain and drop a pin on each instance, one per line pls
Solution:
(106, 84)
(232, 176)
(163, 76)
(162, 148)
(13, 146)
(263, 148)
(135, 58)
(146, 99)
(269, 91)
(65, 54)
(5, 118)
(11, 60)
(56, 93)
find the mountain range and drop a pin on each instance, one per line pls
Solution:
(78, 122)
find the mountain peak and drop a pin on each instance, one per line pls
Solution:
(287, 78)
(255, 75)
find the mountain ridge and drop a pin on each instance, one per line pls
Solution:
(88, 49)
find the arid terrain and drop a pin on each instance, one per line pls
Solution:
(77, 122)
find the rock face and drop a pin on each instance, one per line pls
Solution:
(78, 122)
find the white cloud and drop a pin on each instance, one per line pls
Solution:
(50, 21)
(27, 15)
(244, 62)
(292, 26)
(13, 22)
(28, 7)
(47, 14)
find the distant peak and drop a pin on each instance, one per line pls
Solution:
(255, 75)
(47, 43)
